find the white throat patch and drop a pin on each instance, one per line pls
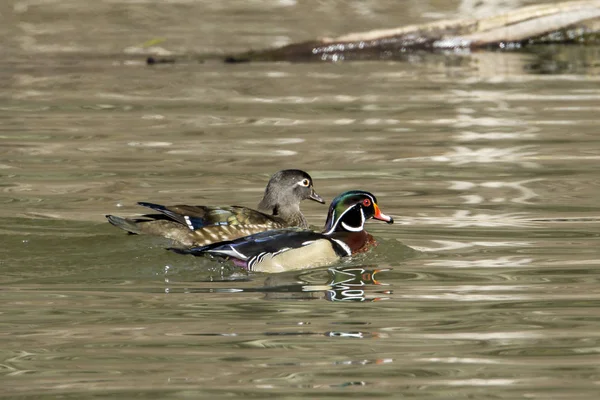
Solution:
(356, 228)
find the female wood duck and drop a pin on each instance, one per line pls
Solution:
(202, 225)
(292, 249)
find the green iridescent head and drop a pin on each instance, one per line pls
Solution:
(350, 210)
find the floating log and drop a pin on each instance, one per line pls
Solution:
(565, 23)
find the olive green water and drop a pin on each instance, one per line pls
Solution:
(486, 287)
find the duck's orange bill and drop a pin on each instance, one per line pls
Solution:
(381, 216)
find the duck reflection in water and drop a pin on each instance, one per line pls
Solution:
(355, 284)
(352, 283)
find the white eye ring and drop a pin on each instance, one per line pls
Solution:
(304, 182)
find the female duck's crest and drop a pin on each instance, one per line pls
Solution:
(350, 210)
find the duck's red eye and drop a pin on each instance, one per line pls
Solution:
(366, 202)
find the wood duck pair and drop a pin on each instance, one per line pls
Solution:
(203, 225)
(259, 241)
(293, 249)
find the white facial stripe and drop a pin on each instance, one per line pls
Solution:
(304, 183)
(336, 220)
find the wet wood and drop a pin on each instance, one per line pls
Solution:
(568, 22)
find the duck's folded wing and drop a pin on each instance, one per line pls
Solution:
(196, 217)
(246, 247)
(276, 251)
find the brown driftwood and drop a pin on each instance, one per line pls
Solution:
(568, 22)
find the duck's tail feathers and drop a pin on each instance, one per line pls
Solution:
(124, 223)
(178, 215)
(164, 210)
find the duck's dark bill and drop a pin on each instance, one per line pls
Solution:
(381, 216)
(316, 197)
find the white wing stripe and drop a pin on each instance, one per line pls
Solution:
(189, 222)
(229, 252)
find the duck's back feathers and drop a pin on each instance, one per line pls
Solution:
(196, 217)
(199, 225)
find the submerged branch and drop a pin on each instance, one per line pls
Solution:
(568, 22)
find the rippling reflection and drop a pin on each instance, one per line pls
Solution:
(340, 284)
(525, 194)
(464, 155)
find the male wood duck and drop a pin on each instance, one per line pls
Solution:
(202, 225)
(293, 249)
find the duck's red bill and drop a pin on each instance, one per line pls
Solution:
(381, 216)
